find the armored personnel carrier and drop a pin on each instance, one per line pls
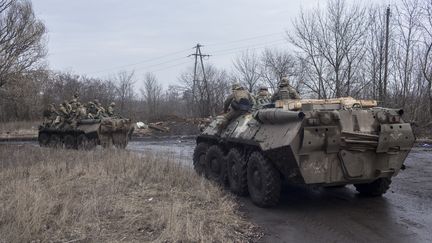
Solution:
(316, 142)
(87, 134)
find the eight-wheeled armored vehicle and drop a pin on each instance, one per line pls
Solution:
(316, 142)
(87, 134)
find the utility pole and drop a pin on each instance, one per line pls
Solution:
(384, 98)
(198, 54)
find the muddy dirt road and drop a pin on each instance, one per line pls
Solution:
(307, 214)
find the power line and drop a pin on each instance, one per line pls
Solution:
(165, 68)
(184, 50)
(141, 62)
(244, 39)
(218, 52)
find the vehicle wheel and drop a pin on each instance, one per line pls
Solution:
(199, 157)
(216, 165)
(264, 181)
(43, 139)
(84, 143)
(55, 141)
(375, 188)
(237, 172)
(69, 142)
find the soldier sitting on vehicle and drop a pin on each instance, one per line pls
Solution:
(91, 110)
(262, 97)
(100, 110)
(285, 91)
(236, 104)
(74, 100)
(81, 111)
(110, 109)
(50, 115)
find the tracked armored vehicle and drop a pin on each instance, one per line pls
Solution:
(87, 134)
(315, 142)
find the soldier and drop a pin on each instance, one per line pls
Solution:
(285, 91)
(100, 110)
(236, 104)
(74, 99)
(63, 115)
(110, 109)
(81, 111)
(91, 110)
(50, 115)
(63, 111)
(262, 97)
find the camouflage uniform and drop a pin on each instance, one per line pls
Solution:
(50, 116)
(63, 115)
(262, 97)
(91, 110)
(81, 111)
(110, 109)
(285, 91)
(100, 110)
(236, 104)
(73, 102)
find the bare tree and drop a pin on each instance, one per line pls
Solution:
(125, 92)
(427, 49)
(247, 69)
(332, 42)
(408, 32)
(276, 64)
(22, 43)
(218, 86)
(151, 94)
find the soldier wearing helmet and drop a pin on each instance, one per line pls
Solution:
(110, 109)
(100, 110)
(285, 91)
(81, 111)
(91, 110)
(262, 96)
(236, 104)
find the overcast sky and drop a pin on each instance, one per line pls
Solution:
(101, 37)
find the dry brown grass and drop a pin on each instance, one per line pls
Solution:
(110, 196)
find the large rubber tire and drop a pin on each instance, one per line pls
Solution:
(70, 142)
(43, 139)
(264, 181)
(199, 158)
(55, 141)
(84, 143)
(237, 172)
(216, 165)
(375, 188)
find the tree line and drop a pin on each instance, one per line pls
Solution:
(335, 51)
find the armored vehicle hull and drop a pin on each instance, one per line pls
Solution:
(324, 144)
(87, 134)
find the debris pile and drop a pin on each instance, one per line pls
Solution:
(173, 126)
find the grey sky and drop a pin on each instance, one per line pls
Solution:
(102, 37)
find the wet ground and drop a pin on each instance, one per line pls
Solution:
(403, 214)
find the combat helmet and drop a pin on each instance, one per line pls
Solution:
(236, 86)
(284, 82)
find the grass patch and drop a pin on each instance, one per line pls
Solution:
(111, 196)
